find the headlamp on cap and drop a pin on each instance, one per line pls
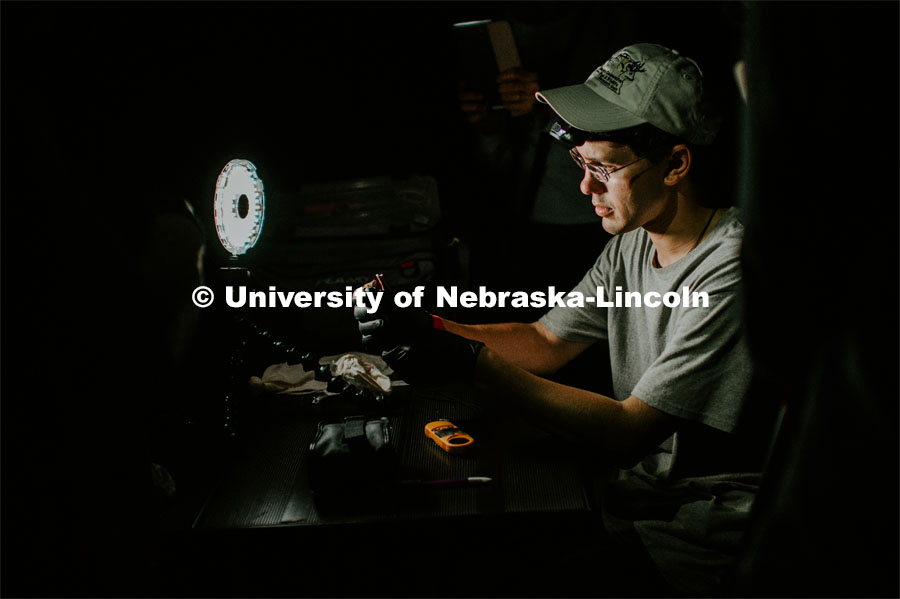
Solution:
(569, 135)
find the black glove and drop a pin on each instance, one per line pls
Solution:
(413, 347)
(437, 356)
(390, 326)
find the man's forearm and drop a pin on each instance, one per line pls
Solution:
(622, 430)
(519, 343)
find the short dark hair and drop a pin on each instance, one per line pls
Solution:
(654, 144)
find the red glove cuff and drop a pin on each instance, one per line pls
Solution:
(437, 322)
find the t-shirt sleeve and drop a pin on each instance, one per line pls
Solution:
(586, 324)
(704, 370)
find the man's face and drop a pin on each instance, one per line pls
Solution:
(632, 197)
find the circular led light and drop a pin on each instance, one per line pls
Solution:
(240, 206)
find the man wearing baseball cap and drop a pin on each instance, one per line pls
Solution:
(676, 424)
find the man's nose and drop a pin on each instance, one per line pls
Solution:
(589, 184)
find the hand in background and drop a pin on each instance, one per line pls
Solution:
(517, 88)
(473, 106)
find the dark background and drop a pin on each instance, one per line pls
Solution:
(113, 112)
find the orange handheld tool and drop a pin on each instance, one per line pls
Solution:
(448, 437)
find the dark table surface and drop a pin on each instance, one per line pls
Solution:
(531, 471)
(527, 533)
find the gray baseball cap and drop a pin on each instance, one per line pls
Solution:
(642, 83)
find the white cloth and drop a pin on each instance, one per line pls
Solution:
(293, 379)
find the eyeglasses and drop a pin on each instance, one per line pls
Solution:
(599, 173)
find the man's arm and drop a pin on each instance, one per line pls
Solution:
(530, 346)
(510, 362)
(624, 430)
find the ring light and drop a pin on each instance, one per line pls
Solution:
(240, 206)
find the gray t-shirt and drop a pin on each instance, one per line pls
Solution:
(689, 499)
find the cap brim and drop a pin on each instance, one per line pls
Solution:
(584, 109)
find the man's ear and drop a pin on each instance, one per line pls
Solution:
(679, 164)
